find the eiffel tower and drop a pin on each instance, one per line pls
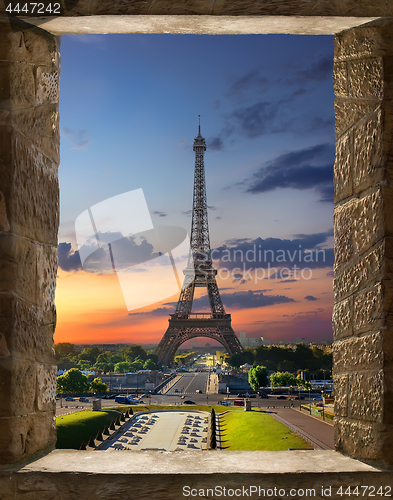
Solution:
(184, 325)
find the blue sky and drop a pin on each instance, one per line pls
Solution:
(129, 113)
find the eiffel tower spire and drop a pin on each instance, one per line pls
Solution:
(183, 325)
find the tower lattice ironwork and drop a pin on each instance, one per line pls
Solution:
(183, 324)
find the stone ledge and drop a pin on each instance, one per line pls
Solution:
(212, 462)
(70, 475)
(196, 24)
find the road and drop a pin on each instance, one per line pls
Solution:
(321, 433)
(189, 383)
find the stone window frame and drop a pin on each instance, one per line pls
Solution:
(357, 337)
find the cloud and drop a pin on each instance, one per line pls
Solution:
(250, 299)
(160, 214)
(318, 71)
(310, 297)
(79, 138)
(67, 258)
(215, 144)
(250, 80)
(309, 168)
(159, 311)
(304, 251)
(239, 300)
(257, 119)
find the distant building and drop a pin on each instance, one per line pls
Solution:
(252, 341)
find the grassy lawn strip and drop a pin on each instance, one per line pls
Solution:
(76, 428)
(257, 431)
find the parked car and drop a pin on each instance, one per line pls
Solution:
(189, 402)
(224, 403)
(83, 400)
(124, 400)
(238, 402)
(176, 390)
(69, 399)
(109, 396)
(264, 396)
(281, 397)
(198, 391)
(252, 396)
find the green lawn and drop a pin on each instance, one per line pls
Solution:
(76, 428)
(255, 430)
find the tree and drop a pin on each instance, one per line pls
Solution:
(62, 349)
(149, 365)
(282, 379)
(257, 377)
(98, 386)
(122, 367)
(90, 354)
(72, 381)
(133, 352)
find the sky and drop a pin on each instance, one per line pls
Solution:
(129, 107)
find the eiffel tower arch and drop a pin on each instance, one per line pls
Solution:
(183, 324)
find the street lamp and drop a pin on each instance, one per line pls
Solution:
(309, 398)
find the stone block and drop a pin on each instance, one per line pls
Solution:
(366, 78)
(373, 308)
(341, 395)
(340, 79)
(369, 159)
(18, 387)
(24, 332)
(46, 277)
(21, 437)
(343, 165)
(364, 440)
(41, 125)
(32, 45)
(359, 353)
(364, 8)
(366, 270)
(342, 319)
(47, 85)
(46, 387)
(366, 397)
(361, 222)
(374, 39)
(30, 188)
(349, 112)
(17, 87)
(18, 267)
(344, 248)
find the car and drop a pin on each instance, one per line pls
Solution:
(70, 399)
(109, 396)
(125, 400)
(281, 397)
(182, 397)
(252, 396)
(189, 402)
(224, 403)
(198, 391)
(317, 399)
(264, 396)
(176, 390)
(238, 402)
(83, 400)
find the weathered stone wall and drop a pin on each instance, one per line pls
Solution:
(353, 8)
(363, 221)
(29, 215)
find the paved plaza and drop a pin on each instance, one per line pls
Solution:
(161, 430)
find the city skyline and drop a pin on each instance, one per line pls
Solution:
(269, 163)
